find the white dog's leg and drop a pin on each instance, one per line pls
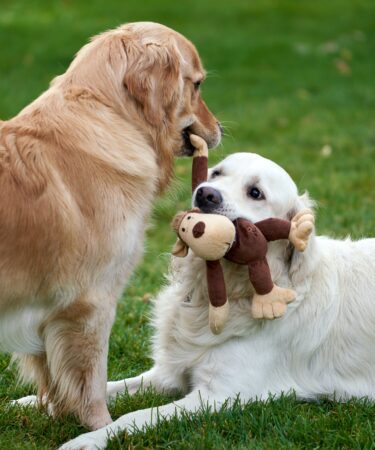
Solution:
(161, 381)
(136, 420)
(131, 385)
(29, 400)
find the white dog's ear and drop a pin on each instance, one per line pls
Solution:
(152, 78)
(302, 202)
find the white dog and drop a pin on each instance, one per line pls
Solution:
(324, 345)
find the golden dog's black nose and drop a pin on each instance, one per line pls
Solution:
(208, 199)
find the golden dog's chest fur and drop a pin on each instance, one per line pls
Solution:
(68, 218)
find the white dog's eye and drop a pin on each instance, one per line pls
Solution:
(215, 173)
(255, 193)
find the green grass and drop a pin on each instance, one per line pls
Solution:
(287, 78)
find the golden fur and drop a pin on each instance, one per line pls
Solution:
(79, 169)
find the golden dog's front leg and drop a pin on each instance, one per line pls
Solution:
(76, 342)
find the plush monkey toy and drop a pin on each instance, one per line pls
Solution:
(213, 236)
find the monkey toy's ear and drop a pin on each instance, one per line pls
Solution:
(176, 222)
(180, 249)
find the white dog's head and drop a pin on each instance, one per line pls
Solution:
(249, 186)
(252, 187)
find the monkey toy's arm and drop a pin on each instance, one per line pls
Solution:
(297, 230)
(274, 229)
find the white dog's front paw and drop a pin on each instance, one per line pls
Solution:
(88, 441)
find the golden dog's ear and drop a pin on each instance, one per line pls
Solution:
(152, 78)
(180, 249)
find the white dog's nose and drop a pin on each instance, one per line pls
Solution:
(208, 199)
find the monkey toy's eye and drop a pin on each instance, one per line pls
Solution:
(255, 193)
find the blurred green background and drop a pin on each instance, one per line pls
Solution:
(291, 80)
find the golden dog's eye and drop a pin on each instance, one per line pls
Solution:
(197, 85)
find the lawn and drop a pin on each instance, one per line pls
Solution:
(292, 80)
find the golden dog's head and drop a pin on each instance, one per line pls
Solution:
(163, 77)
(151, 76)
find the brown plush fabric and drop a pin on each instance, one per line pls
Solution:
(216, 283)
(250, 244)
(250, 248)
(260, 276)
(199, 172)
(274, 229)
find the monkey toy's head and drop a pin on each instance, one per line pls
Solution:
(210, 236)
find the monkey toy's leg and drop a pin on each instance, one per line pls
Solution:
(219, 305)
(269, 301)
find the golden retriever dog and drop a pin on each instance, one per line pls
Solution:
(79, 170)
